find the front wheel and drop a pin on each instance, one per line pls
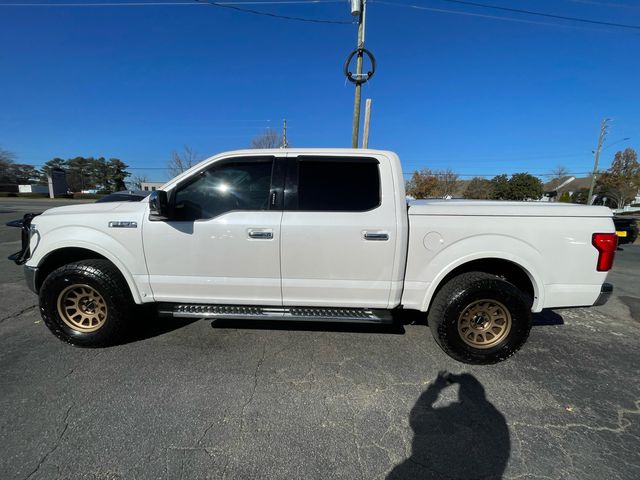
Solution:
(480, 318)
(86, 303)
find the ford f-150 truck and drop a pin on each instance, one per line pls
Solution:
(315, 234)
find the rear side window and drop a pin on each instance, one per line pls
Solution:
(334, 186)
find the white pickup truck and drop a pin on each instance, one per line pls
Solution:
(315, 234)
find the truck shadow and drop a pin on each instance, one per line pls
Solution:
(148, 324)
(239, 324)
(400, 319)
(466, 439)
(546, 318)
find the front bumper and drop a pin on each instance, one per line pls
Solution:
(30, 274)
(27, 230)
(605, 292)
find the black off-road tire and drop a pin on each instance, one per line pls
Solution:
(462, 291)
(102, 276)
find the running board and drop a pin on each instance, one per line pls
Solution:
(312, 314)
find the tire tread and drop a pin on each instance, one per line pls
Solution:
(113, 287)
(449, 292)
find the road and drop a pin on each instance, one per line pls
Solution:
(207, 399)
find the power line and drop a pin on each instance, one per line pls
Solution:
(238, 6)
(169, 4)
(272, 15)
(542, 14)
(229, 5)
(480, 15)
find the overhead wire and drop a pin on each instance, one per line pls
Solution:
(542, 14)
(232, 5)
(273, 15)
(188, 3)
(240, 6)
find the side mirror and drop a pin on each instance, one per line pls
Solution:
(158, 206)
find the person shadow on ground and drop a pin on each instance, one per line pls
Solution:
(468, 439)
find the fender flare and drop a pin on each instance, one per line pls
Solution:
(450, 258)
(115, 252)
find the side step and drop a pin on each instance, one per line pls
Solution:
(312, 314)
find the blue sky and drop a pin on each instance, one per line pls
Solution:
(478, 95)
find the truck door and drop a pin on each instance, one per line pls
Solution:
(222, 243)
(338, 232)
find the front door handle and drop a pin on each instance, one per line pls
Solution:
(260, 234)
(376, 236)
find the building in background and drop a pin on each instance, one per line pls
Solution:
(33, 188)
(150, 186)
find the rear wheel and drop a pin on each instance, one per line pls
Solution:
(86, 303)
(480, 318)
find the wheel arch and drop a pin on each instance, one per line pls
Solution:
(64, 255)
(511, 269)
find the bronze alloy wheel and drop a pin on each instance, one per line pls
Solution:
(82, 308)
(484, 323)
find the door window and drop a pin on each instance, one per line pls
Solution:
(333, 185)
(235, 185)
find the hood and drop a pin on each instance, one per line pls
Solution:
(505, 209)
(83, 208)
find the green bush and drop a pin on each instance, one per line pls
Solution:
(565, 197)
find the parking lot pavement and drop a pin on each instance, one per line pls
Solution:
(238, 400)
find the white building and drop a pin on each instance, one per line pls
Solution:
(150, 186)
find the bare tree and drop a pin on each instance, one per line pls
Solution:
(559, 172)
(558, 176)
(180, 162)
(447, 183)
(138, 180)
(6, 156)
(6, 163)
(268, 139)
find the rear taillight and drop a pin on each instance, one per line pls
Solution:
(606, 244)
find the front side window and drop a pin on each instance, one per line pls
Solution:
(333, 185)
(234, 185)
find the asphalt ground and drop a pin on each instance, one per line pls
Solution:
(240, 400)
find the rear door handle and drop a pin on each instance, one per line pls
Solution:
(260, 234)
(376, 236)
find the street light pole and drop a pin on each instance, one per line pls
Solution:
(604, 128)
(358, 7)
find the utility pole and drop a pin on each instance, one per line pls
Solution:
(284, 134)
(359, 8)
(367, 121)
(604, 128)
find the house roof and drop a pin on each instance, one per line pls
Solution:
(567, 184)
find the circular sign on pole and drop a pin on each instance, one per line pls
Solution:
(362, 78)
